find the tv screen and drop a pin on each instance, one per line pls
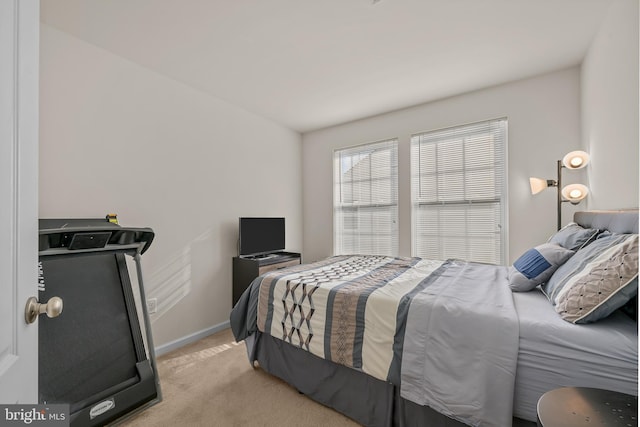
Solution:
(261, 235)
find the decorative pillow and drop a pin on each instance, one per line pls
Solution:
(536, 266)
(573, 236)
(597, 280)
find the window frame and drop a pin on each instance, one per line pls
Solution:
(465, 131)
(340, 205)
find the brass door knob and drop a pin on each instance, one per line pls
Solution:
(53, 308)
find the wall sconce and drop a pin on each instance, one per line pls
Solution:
(572, 193)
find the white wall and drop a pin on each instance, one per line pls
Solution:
(544, 124)
(116, 137)
(610, 109)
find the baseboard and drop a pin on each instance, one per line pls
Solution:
(188, 339)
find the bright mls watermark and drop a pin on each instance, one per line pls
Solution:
(34, 415)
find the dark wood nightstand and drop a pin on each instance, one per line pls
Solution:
(245, 269)
(580, 406)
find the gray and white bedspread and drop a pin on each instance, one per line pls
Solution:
(445, 332)
(461, 345)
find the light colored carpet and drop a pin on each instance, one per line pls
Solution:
(211, 383)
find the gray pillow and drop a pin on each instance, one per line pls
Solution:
(535, 266)
(573, 236)
(597, 280)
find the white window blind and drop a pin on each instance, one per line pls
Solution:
(365, 207)
(458, 185)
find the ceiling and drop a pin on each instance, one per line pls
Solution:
(312, 64)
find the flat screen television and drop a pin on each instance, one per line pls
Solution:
(260, 236)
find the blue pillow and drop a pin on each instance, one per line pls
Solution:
(536, 265)
(597, 280)
(573, 236)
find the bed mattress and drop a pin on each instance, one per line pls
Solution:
(554, 353)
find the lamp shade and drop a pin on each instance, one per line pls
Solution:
(574, 193)
(539, 184)
(576, 160)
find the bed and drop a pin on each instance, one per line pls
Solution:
(393, 341)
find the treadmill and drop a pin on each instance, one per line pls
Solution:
(97, 356)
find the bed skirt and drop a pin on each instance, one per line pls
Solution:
(366, 400)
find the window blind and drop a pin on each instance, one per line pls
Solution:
(458, 185)
(365, 208)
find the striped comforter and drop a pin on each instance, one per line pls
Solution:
(346, 309)
(369, 312)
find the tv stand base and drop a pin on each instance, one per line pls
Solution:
(247, 268)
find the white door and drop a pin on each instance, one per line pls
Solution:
(19, 39)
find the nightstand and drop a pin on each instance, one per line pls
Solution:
(580, 406)
(245, 269)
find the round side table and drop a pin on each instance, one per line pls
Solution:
(580, 406)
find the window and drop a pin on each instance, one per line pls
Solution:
(458, 188)
(365, 200)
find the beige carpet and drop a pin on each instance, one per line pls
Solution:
(211, 383)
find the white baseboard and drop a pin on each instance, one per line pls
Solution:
(188, 339)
